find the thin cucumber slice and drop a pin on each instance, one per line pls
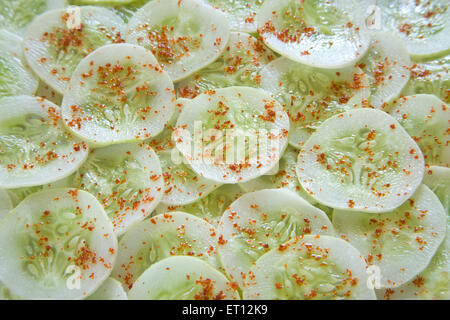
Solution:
(209, 208)
(310, 267)
(361, 160)
(46, 92)
(239, 65)
(263, 220)
(323, 34)
(162, 236)
(387, 64)
(185, 36)
(57, 244)
(423, 26)
(34, 147)
(426, 119)
(182, 278)
(6, 204)
(312, 95)
(118, 94)
(111, 289)
(126, 179)
(438, 180)
(232, 134)
(401, 243)
(16, 77)
(55, 43)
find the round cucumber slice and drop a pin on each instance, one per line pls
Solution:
(125, 10)
(162, 236)
(426, 119)
(182, 278)
(15, 76)
(56, 244)
(310, 267)
(126, 179)
(312, 95)
(111, 289)
(239, 65)
(361, 160)
(423, 26)
(323, 34)
(400, 243)
(438, 180)
(118, 94)
(387, 64)
(34, 148)
(232, 134)
(54, 47)
(46, 92)
(6, 204)
(185, 36)
(260, 221)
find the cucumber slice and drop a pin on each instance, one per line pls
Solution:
(6, 204)
(182, 185)
(312, 95)
(260, 221)
(111, 289)
(118, 94)
(387, 64)
(125, 11)
(323, 34)
(34, 148)
(423, 26)
(53, 47)
(182, 278)
(438, 180)
(238, 134)
(361, 160)
(401, 242)
(426, 119)
(16, 77)
(239, 65)
(162, 236)
(126, 179)
(46, 92)
(310, 267)
(56, 244)
(185, 36)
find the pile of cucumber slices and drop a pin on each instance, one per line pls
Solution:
(117, 118)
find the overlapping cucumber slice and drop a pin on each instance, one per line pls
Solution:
(182, 278)
(46, 92)
(263, 220)
(361, 160)
(312, 95)
(111, 289)
(324, 34)
(184, 36)
(34, 147)
(438, 180)
(127, 180)
(239, 65)
(118, 94)
(56, 41)
(426, 119)
(162, 236)
(310, 267)
(56, 244)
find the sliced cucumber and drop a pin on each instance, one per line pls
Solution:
(126, 179)
(162, 236)
(423, 26)
(46, 92)
(6, 204)
(324, 34)
(387, 64)
(125, 10)
(118, 94)
(312, 95)
(361, 160)
(111, 289)
(263, 220)
(182, 278)
(34, 148)
(426, 119)
(232, 134)
(53, 47)
(438, 180)
(239, 65)
(310, 267)
(185, 36)
(57, 244)
(401, 242)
